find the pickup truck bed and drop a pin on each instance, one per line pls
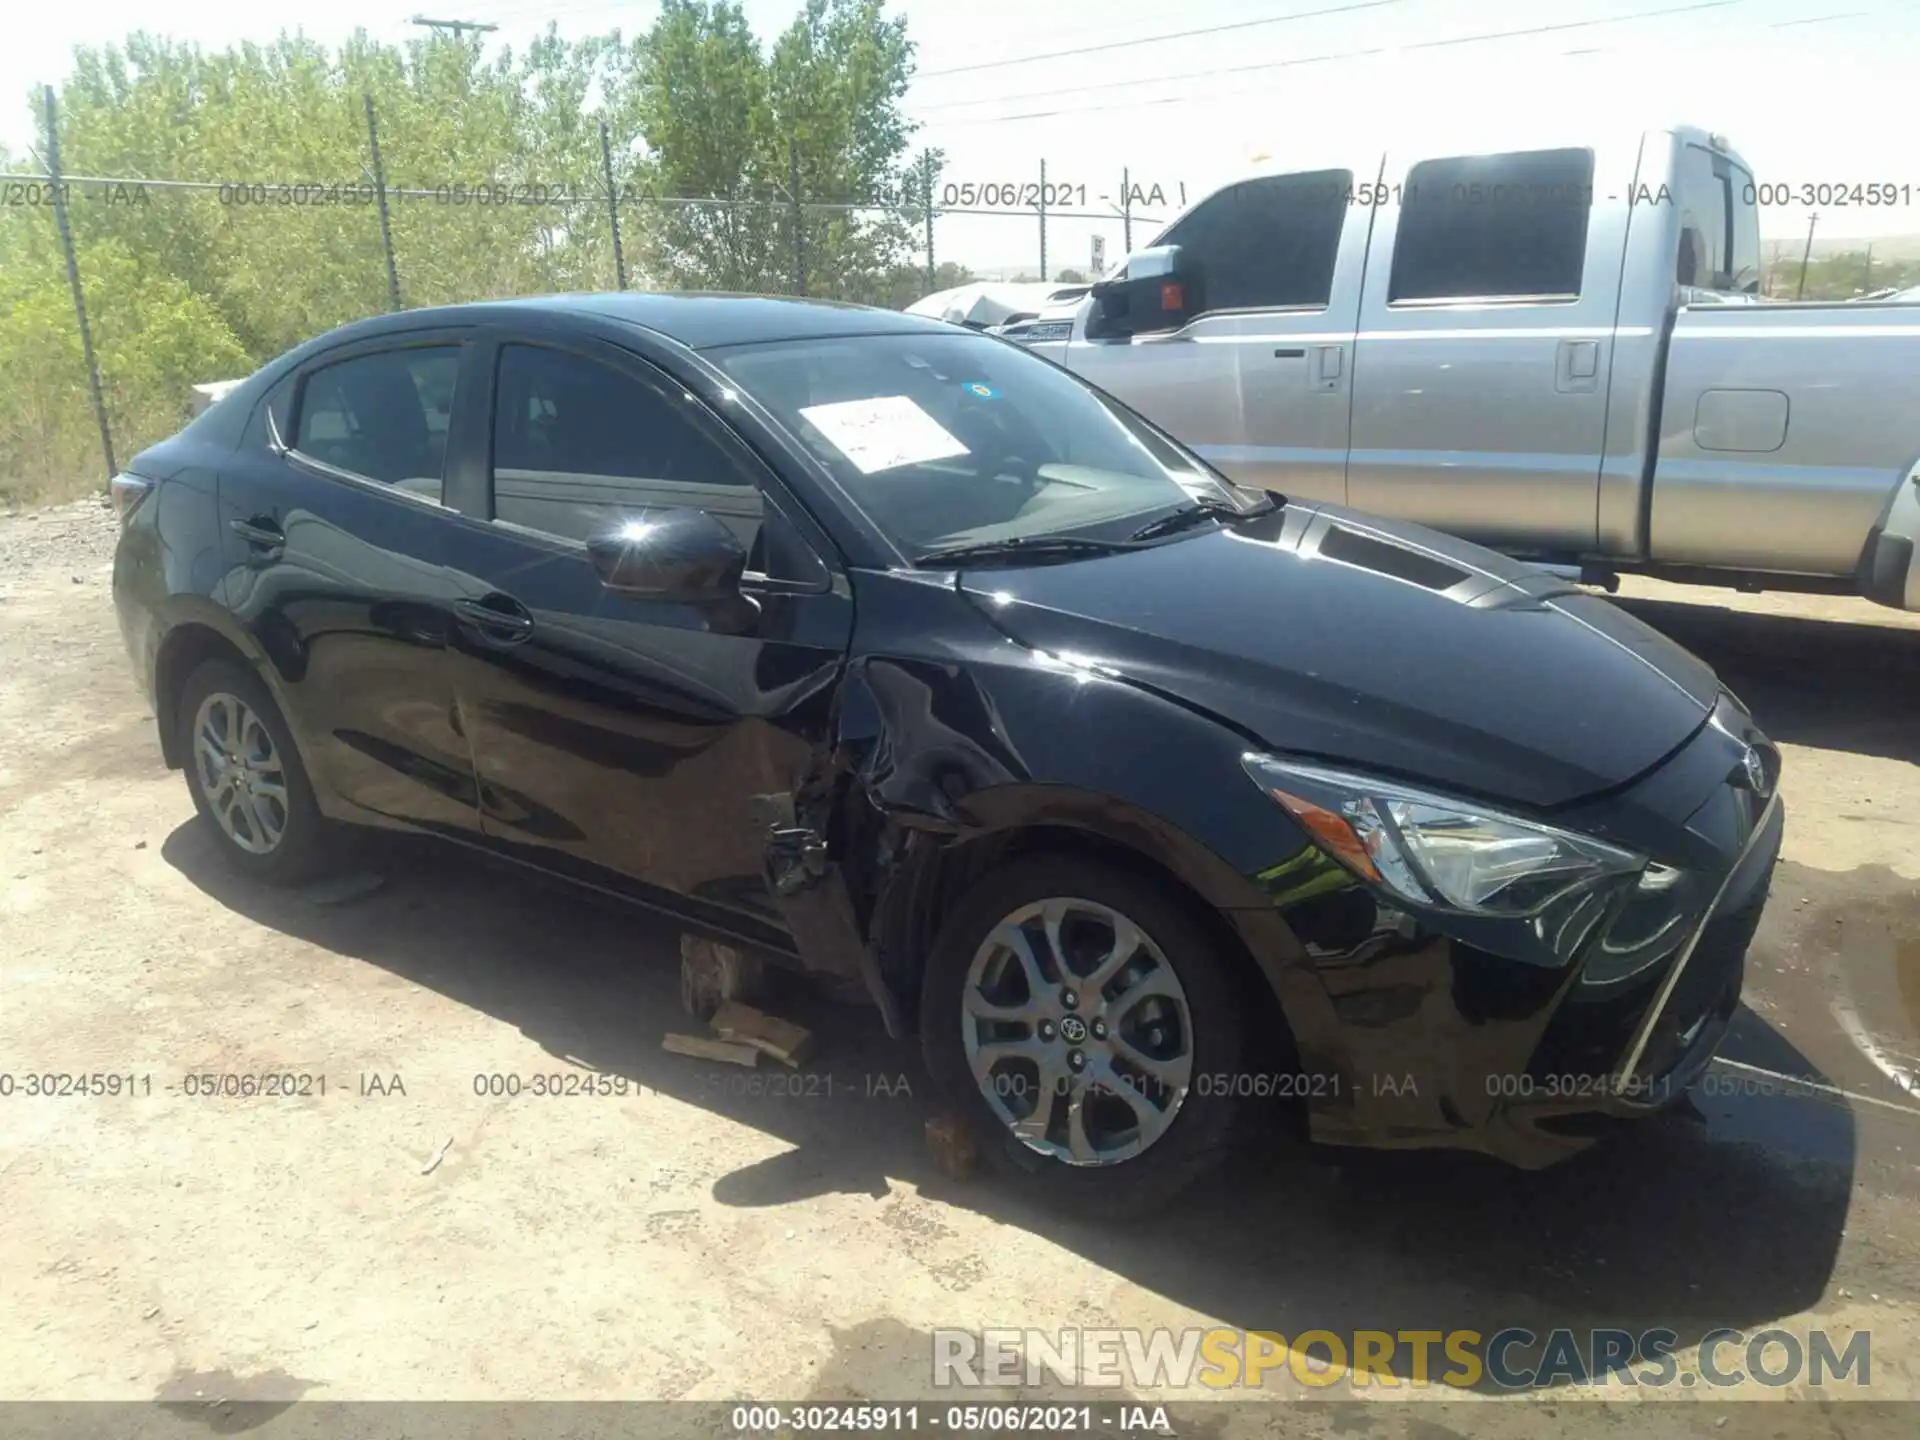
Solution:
(1780, 429)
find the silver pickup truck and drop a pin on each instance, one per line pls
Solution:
(1561, 352)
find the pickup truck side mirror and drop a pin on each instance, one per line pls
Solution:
(1156, 290)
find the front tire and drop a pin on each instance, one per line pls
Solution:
(1080, 1018)
(245, 776)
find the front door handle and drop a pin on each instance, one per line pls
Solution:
(499, 617)
(263, 536)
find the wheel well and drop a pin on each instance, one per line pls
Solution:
(939, 876)
(184, 651)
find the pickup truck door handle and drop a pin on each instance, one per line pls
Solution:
(263, 536)
(499, 618)
(1576, 367)
(1329, 367)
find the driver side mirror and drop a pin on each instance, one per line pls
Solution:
(670, 552)
(1154, 291)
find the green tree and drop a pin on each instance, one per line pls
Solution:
(496, 181)
(724, 120)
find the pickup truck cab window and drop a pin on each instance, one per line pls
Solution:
(1494, 226)
(578, 445)
(383, 416)
(1719, 224)
(1266, 244)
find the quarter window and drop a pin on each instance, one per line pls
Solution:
(1719, 224)
(578, 446)
(383, 416)
(1267, 244)
(1705, 231)
(1494, 226)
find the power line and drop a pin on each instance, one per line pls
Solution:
(1154, 39)
(1309, 60)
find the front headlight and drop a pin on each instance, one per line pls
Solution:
(1434, 850)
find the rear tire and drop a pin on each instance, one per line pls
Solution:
(1150, 1034)
(245, 776)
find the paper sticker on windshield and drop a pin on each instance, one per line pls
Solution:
(980, 388)
(883, 433)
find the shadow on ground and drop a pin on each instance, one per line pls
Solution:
(1829, 684)
(1667, 1226)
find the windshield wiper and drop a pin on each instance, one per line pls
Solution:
(1188, 516)
(1021, 547)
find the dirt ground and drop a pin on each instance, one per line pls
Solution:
(403, 1236)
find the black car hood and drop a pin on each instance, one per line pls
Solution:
(1362, 641)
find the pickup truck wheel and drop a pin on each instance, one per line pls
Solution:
(246, 777)
(1075, 1013)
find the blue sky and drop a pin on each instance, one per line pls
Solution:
(1808, 90)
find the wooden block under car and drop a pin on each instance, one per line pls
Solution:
(782, 1039)
(701, 1048)
(712, 974)
(952, 1146)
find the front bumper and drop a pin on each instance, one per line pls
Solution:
(1429, 1041)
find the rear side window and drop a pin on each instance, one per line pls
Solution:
(1268, 243)
(1706, 232)
(1719, 224)
(279, 403)
(578, 446)
(1494, 226)
(383, 416)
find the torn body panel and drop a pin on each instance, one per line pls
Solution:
(954, 746)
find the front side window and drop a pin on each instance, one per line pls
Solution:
(958, 439)
(579, 446)
(1266, 244)
(1494, 227)
(383, 416)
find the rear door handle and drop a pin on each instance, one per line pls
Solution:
(498, 617)
(1329, 367)
(262, 534)
(1576, 368)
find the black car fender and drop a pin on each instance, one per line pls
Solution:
(940, 768)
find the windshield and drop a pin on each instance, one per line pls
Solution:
(957, 439)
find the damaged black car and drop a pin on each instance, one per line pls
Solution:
(898, 655)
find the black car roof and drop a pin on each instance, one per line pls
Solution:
(696, 319)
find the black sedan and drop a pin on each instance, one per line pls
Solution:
(897, 654)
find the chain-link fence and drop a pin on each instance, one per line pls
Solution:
(294, 257)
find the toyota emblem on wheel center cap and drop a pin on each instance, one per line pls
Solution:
(1073, 1030)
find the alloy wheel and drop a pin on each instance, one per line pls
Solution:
(1077, 1031)
(240, 773)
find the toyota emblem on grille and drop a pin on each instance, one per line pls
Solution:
(1756, 771)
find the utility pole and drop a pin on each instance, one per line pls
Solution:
(456, 28)
(1806, 255)
(1043, 219)
(63, 223)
